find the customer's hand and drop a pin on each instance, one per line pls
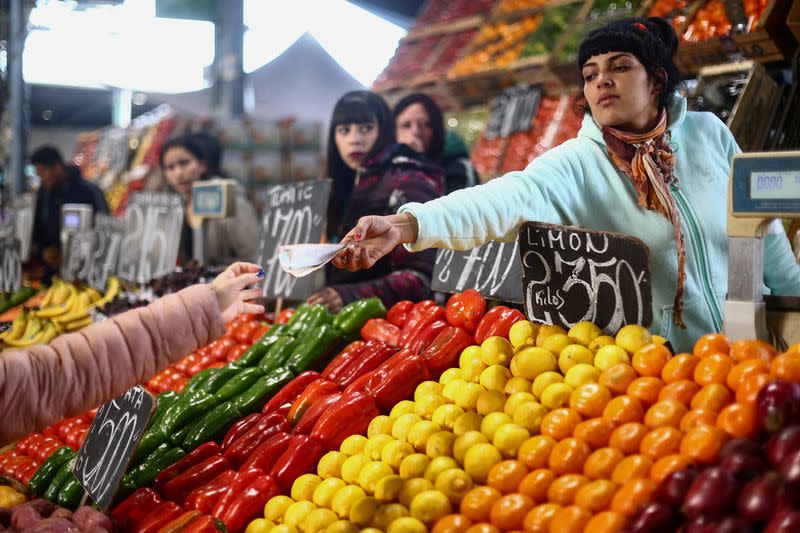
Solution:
(233, 293)
(329, 298)
(374, 237)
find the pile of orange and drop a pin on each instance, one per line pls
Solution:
(496, 45)
(711, 21)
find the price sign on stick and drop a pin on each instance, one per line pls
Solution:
(294, 214)
(149, 248)
(10, 265)
(76, 259)
(571, 275)
(23, 222)
(108, 234)
(112, 438)
(493, 270)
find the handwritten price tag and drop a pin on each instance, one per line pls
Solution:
(493, 270)
(10, 265)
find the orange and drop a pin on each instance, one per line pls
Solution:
(681, 391)
(712, 397)
(745, 349)
(483, 528)
(452, 523)
(649, 360)
(667, 465)
(509, 511)
(679, 367)
(535, 484)
(560, 423)
(538, 519)
(646, 390)
(506, 476)
(627, 438)
(702, 444)
(665, 413)
(590, 399)
(601, 463)
(623, 409)
(631, 467)
(563, 490)
(617, 378)
(786, 366)
(711, 344)
(535, 452)
(606, 522)
(478, 502)
(572, 519)
(633, 494)
(738, 420)
(596, 496)
(568, 456)
(745, 369)
(661, 442)
(748, 390)
(713, 369)
(595, 432)
(698, 417)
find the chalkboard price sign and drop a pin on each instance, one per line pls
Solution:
(294, 214)
(572, 275)
(10, 265)
(493, 270)
(76, 260)
(108, 234)
(109, 445)
(23, 222)
(149, 248)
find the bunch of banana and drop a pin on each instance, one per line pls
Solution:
(112, 291)
(27, 330)
(67, 306)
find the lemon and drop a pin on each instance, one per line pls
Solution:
(439, 444)
(450, 374)
(427, 388)
(492, 422)
(547, 330)
(523, 332)
(496, 351)
(515, 400)
(407, 525)
(370, 530)
(372, 473)
(276, 508)
(375, 445)
(363, 511)
(584, 333)
(659, 340)
(449, 390)
(428, 404)
(330, 464)
(388, 488)
(543, 380)
(466, 441)
(633, 337)
(453, 483)
(429, 506)
(529, 415)
(352, 467)
(508, 438)
(531, 362)
(517, 384)
(495, 377)
(599, 342)
(467, 422)
(580, 374)
(326, 490)
(556, 343)
(342, 526)
(296, 514)
(344, 499)
(420, 432)
(414, 466)
(439, 465)
(353, 445)
(468, 354)
(479, 459)
(572, 355)
(401, 408)
(556, 395)
(258, 525)
(610, 355)
(467, 396)
(304, 486)
(402, 425)
(473, 369)
(411, 488)
(446, 415)
(490, 401)
(283, 528)
(394, 453)
(380, 425)
(318, 520)
(387, 514)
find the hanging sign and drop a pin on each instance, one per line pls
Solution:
(572, 275)
(77, 255)
(493, 269)
(23, 222)
(512, 111)
(10, 265)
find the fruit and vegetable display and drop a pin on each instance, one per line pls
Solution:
(496, 45)
(556, 20)
(510, 6)
(602, 13)
(675, 11)
(449, 10)
(710, 21)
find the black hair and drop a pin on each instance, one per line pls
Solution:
(191, 145)
(652, 40)
(436, 148)
(47, 155)
(212, 151)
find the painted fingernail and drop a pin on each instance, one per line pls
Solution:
(358, 236)
(261, 273)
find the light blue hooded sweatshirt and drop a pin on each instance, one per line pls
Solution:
(577, 184)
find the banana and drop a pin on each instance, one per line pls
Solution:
(47, 300)
(44, 336)
(71, 316)
(64, 307)
(18, 326)
(93, 294)
(112, 290)
(61, 294)
(77, 324)
(33, 327)
(47, 334)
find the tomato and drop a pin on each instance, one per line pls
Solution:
(284, 316)
(236, 352)
(258, 332)
(180, 384)
(184, 364)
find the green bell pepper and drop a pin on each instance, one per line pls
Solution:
(277, 354)
(71, 493)
(212, 426)
(152, 439)
(238, 384)
(317, 347)
(47, 471)
(146, 475)
(219, 378)
(188, 408)
(254, 398)
(60, 478)
(354, 315)
(198, 381)
(165, 400)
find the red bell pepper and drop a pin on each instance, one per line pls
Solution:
(195, 457)
(249, 504)
(375, 354)
(302, 455)
(397, 379)
(359, 384)
(398, 314)
(178, 489)
(423, 315)
(202, 524)
(496, 323)
(310, 417)
(205, 498)
(349, 416)
(426, 336)
(315, 391)
(444, 351)
(265, 456)
(381, 330)
(240, 481)
(466, 309)
(240, 428)
(351, 352)
(159, 517)
(290, 392)
(128, 514)
(180, 523)
(269, 424)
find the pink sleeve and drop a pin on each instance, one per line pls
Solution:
(79, 371)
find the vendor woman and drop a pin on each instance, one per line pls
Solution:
(641, 164)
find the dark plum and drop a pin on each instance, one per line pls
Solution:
(674, 487)
(712, 494)
(784, 522)
(744, 467)
(778, 405)
(653, 518)
(758, 500)
(782, 444)
(740, 446)
(733, 524)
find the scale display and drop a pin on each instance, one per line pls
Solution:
(766, 183)
(207, 200)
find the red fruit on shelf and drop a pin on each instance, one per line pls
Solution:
(789, 470)
(733, 524)
(758, 500)
(780, 445)
(778, 405)
(652, 518)
(787, 521)
(712, 494)
(740, 446)
(743, 467)
(674, 487)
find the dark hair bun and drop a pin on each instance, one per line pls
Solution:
(665, 32)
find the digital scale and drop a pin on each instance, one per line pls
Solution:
(75, 218)
(763, 186)
(215, 198)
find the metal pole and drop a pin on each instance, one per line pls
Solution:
(122, 99)
(229, 62)
(16, 88)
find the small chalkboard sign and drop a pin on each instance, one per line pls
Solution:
(76, 259)
(149, 248)
(572, 274)
(10, 265)
(112, 438)
(493, 270)
(108, 233)
(23, 222)
(294, 214)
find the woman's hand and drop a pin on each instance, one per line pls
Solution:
(374, 237)
(329, 298)
(232, 290)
